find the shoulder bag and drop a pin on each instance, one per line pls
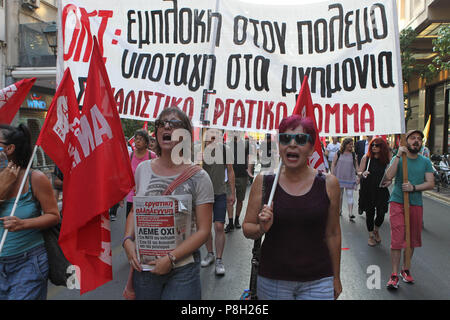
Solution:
(57, 262)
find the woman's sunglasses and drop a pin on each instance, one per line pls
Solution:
(300, 138)
(173, 124)
(376, 145)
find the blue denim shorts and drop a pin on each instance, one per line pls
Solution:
(271, 289)
(220, 208)
(181, 283)
(24, 276)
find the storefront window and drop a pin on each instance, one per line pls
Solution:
(33, 47)
(32, 113)
(439, 119)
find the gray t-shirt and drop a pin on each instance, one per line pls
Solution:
(150, 184)
(216, 171)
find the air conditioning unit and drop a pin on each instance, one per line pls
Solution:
(31, 4)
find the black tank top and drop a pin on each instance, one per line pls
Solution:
(294, 248)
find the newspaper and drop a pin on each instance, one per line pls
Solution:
(161, 224)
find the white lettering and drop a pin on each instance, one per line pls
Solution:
(104, 128)
(61, 127)
(374, 281)
(73, 282)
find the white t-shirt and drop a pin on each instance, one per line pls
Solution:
(332, 149)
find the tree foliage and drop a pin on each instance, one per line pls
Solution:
(130, 126)
(410, 66)
(441, 46)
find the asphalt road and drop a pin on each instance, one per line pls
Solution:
(364, 270)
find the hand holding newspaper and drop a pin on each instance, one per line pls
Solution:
(161, 224)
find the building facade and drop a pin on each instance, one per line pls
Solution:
(26, 53)
(428, 98)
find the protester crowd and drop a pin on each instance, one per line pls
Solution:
(305, 208)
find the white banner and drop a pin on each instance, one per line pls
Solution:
(253, 57)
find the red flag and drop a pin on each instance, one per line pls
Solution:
(101, 176)
(56, 136)
(304, 108)
(12, 97)
(131, 142)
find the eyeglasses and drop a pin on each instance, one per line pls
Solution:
(376, 145)
(300, 138)
(173, 124)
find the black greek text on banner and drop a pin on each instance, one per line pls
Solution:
(253, 57)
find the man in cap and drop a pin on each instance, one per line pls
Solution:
(420, 178)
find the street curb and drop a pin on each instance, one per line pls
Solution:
(436, 196)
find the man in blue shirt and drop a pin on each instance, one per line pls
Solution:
(420, 178)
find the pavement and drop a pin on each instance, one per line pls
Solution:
(443, 195)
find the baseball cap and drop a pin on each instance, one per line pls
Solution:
(410, 132)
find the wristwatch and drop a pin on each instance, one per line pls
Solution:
(414, 188)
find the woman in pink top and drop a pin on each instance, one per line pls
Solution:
(140, 154)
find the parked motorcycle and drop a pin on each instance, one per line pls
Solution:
(441, 168)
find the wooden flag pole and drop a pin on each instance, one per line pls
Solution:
(406, 208)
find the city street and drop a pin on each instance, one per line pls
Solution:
(89, 90)
(364, 270)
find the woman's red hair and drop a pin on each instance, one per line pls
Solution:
(384, 150)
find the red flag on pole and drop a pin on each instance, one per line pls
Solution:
(12, 97)
(131, 142)
(101, 176)
(304, 108)
(56, 136)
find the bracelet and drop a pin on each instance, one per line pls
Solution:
(398, 156)
(172, 259)
(125, 239)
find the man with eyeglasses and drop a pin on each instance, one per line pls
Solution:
(420, 178)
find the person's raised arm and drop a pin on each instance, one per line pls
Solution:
(392, 170)
(8, 177)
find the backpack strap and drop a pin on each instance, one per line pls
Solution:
(185, 175)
